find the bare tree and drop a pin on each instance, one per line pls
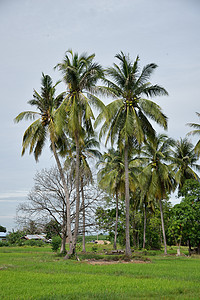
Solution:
(47, 201)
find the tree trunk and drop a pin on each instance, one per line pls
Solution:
(163, 227)
(69, 232)
(134, 235)
(63, 243)
(189, 248)
(83, 205)
(198, 248)
(179, 249)
(116, 222)
(134, 231)
(127, 200)
(161, 241)
(138, 239)
(64, 233)
(145, 224)
(77, 191)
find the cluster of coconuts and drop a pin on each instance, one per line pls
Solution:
(45, 119)
(129, 103)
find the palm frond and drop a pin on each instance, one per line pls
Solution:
(153, 110)
(146, 74)
(48, 105)
(27, 115)
(197, 148)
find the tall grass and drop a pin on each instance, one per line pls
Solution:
(37, 273)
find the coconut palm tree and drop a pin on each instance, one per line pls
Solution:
(80, 74)
(127, 117)
(185, 161)
(111, 179)
(47, 114)
(158, 175)
(111, 176)
(195, 132)
(88, 150)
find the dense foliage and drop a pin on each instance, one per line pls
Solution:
(185, 217)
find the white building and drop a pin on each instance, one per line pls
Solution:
(3, 236)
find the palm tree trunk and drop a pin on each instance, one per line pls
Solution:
(116, 222)
(83, 205)
(163, 227)
(64, 233)
(138, 239)
(127, 200)
(69, 232)
(134, 233)
(145, 224)
(77, 192)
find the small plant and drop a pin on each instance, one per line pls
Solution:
(78, 247)
(144, 251)
(113, 258)
(4, 244)
(56, 243)
(94, 248)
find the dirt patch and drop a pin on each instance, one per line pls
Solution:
(111, 262)
(4, 267)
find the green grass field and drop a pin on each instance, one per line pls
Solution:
(38, 273)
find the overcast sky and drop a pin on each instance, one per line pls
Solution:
(34, 37)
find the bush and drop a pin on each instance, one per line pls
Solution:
(113, 258)
(4, 244)
(94, 248)
(78, 247)
(56, 243)
(14, 238)
(37, 243)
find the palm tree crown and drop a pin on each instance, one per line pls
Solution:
(159, 173)
(185, 160)
(128, 115)
(47, 105)
(195, 132)
(80, 74)
(111, 171)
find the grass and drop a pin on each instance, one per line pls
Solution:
(37, 273)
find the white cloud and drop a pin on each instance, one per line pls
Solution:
(7, 217)
(14, 194)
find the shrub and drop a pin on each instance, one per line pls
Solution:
(14, 238)
(56, 243)
(78, 247)
(144, 251)
(113, 258)
(94, 248)
(4, 244)
(37, 243)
